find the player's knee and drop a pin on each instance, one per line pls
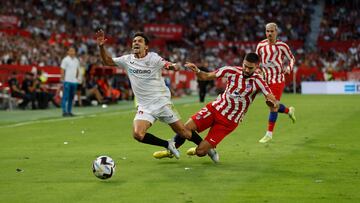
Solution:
(138, 135)
(273, 109)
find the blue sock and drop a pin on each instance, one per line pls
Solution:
(273, 117)
(272, 121)
(281, 108)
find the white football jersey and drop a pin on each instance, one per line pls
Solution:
(146, 79)
(71, 65)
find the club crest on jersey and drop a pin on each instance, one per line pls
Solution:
(248, 87)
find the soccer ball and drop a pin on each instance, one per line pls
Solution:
(103, 167)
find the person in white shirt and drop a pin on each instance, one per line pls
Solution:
(70, 69)
(153, 97)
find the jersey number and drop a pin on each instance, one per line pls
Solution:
(204, 112)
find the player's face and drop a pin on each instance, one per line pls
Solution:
(71, 52)
(249, 68)
(271, 33)
(138, 46)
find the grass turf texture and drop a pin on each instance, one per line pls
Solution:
(315, 160)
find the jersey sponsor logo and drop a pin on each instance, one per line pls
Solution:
(138, 71)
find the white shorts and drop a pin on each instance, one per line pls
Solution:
(166, 114)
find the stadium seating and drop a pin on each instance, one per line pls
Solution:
(219, 32)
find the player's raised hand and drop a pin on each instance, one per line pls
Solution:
(192, 66)
(271, 101)
(100, 37)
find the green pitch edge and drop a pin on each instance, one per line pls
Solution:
(20, 116)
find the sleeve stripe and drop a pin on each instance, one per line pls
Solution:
(262, 85)
(226, 69)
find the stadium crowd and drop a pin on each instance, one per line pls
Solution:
(53, 24)
(340, 21)
(45, 28)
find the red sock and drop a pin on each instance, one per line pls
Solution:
(271, 126)
(286, 110)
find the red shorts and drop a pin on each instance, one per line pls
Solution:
(219, 126)
(277, 89)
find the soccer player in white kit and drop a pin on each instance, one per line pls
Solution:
(153, 97)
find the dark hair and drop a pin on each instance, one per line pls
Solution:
(72, 47)
(252, 57)
(141, 34)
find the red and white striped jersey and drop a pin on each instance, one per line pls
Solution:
(271, 57)
(239, 93)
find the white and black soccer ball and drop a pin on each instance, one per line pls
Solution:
(103, 167)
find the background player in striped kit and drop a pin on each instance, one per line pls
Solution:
(272, 53)
(223, 115)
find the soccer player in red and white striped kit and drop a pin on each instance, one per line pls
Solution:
(223, 115)
(272, 53)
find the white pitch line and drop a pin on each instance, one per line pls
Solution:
(184, 102)
(64, 119)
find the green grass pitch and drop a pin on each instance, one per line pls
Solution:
(315, 160)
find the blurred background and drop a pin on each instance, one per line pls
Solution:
(324, 37)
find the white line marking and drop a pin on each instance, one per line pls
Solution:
(65, 119)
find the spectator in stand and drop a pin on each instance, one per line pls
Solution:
(107, 90)
(43, 96)
(70, 70)
(17, 92)
(81, 81)
(203, 84)
(28, 86)
(92, 89)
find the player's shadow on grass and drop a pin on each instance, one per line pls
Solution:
(112, 181)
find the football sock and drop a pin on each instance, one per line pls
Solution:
(283, 109)
(272, 121)
(179, 140)
(153, 140)
(195, 138)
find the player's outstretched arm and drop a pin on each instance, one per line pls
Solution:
(200, 74)
(100, 40)
(173, 66)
